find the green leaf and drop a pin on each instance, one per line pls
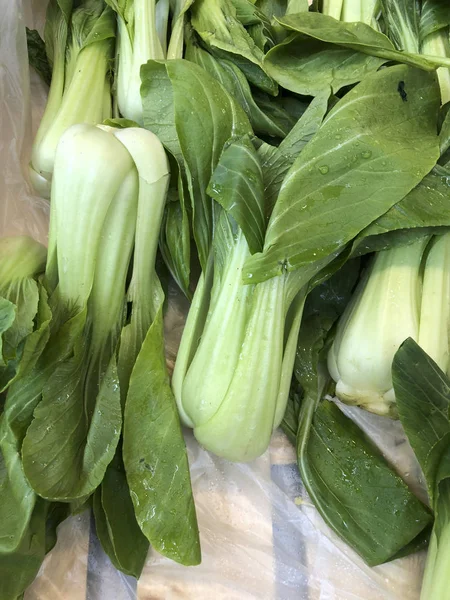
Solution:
(310, 67)
(193, 116)
(237, 185)
(276, 162)
(115, 521)
(355, 36)
(75, 431)
(175, 241)
(18, 569)
(236, 84)
(155, 456)
(217, 24)
(38, 56)
(345, 474)
(425, 207)
(422, 394)
(353, 170)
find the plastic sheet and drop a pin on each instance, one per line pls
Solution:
(261, 537)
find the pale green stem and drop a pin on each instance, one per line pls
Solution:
(332, 8)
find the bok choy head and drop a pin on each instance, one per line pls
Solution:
(234, 366)
(80, 45)
(96, 190)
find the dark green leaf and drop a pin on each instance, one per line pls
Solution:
(38, 56)
(345, 474)
(354, 169)
(237, 185)
(444, 134)
(33, 346)
(19, 568)
(422, 393)
(310, 67)
(155, 456)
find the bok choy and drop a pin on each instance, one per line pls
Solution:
(79, 42)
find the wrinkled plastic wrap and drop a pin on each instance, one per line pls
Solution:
(261, 537)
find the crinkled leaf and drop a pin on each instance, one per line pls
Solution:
(310, 67)
(237, 185)
(354, 169)
(356, 36)
(155, 456)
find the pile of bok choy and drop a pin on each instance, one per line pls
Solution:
(290, 164)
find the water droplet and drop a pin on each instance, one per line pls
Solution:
(324, 169)
(366, 154)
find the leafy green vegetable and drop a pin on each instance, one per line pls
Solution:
(342, 470)
(138, 42)
(79, 47)
(353, 170)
